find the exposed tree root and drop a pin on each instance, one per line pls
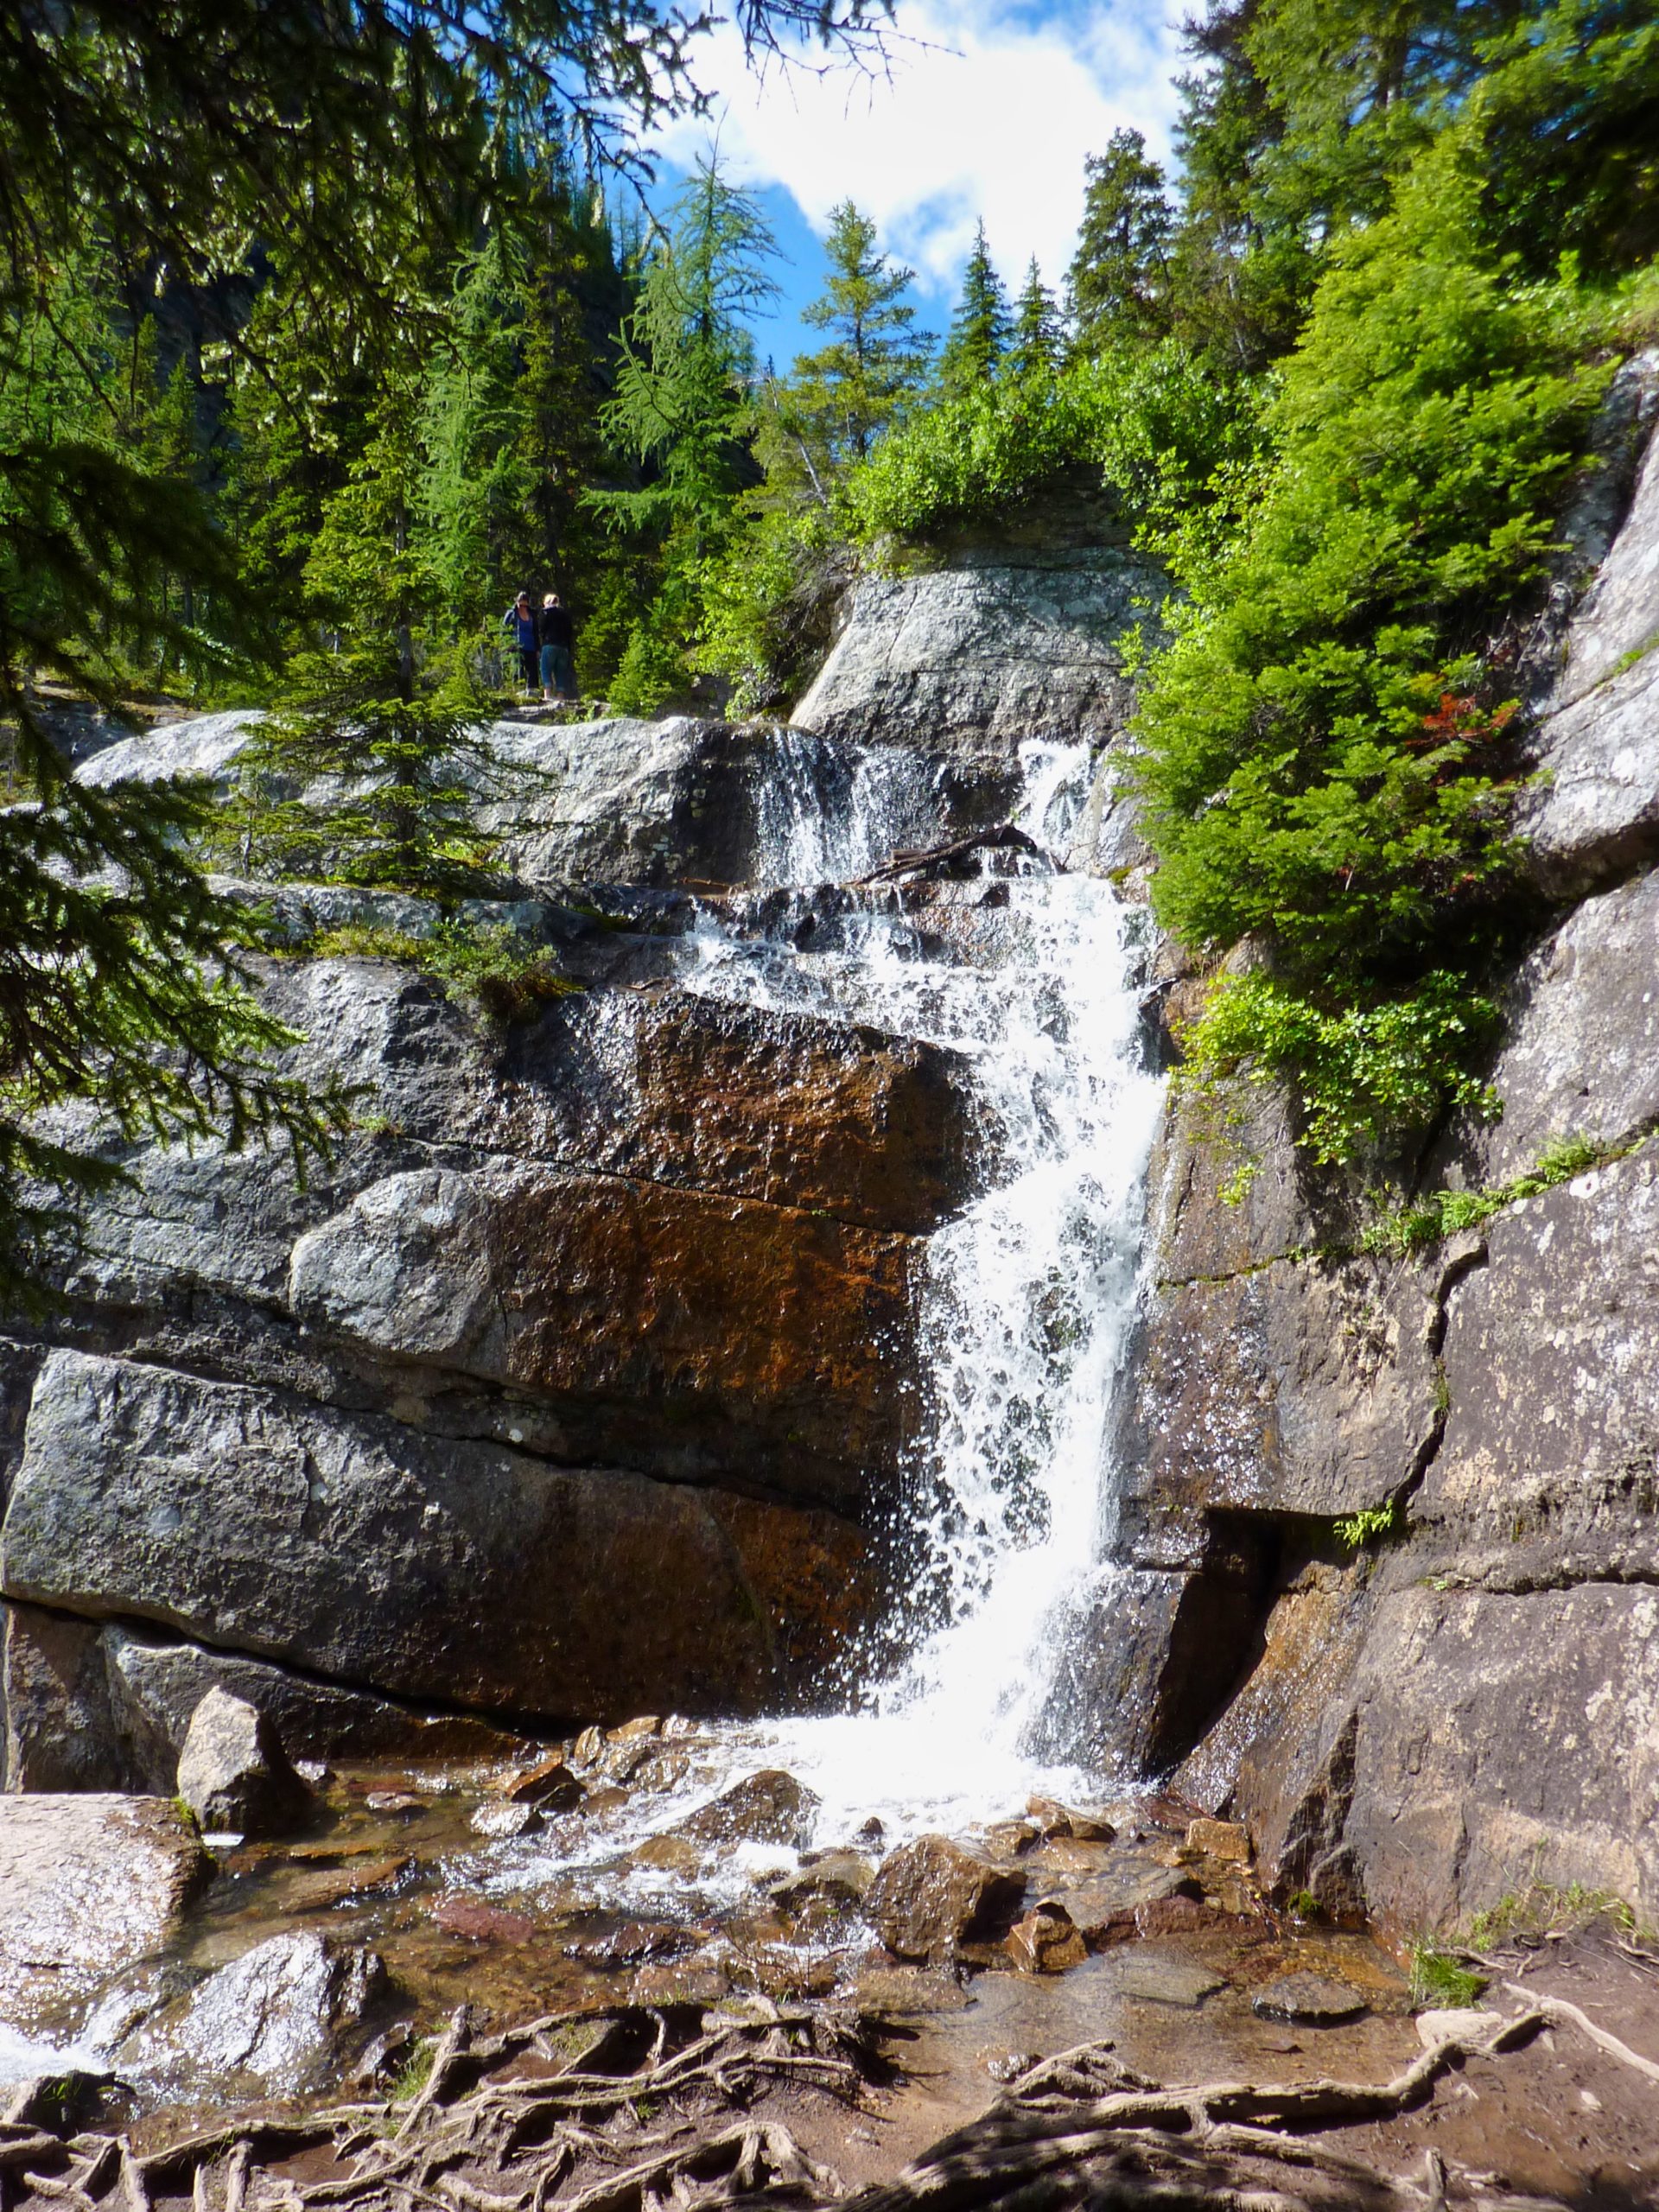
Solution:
(638, 2110)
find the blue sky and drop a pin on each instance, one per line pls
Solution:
(988, 108)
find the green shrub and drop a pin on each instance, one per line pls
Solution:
(1360, 1075)
(1159, 425)
(507, 975)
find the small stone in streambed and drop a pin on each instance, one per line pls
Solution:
(1011, 2065)
(693, 1982)
(633, 1941)
(671, 1854)
(1057, 1819)
(609, 1799)
(645, 1724)
(770, 1807)
(1046, 1941)
(480, 1922)
(897, 1993)
(933, 1899)
(402, 1801)
(872, 1836)
(319, 1893)
(840, 1877)
(234, 1774)
(550, 1785)
(1309, 2000)
(587, 1747)
(1219, 1840)
(1156, 1981)
(504, 1818)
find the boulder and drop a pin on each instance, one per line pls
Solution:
(268, 2024)
(91, 1883)
(975, 661)
(771, 1806)
(1310, 1999)
(234, 1774)
(1595, 810)
(360, 1549)
(932, 1897)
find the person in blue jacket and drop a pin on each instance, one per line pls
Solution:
(519, 621)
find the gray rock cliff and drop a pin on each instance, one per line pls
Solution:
(1466, 1701)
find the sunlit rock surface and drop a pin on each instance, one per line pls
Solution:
(1432, 1477)
(87, 1883)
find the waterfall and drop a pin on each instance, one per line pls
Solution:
(1029, 1293)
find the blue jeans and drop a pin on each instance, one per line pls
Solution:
(557, 672)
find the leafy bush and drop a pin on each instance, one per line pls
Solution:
(1359, 1073)
(1159, 424)
(507, 975)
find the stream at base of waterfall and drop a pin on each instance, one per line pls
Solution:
(919, 1849)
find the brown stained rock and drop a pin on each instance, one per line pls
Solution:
(1046, 1941)
(1107, 1908)
(789, 1108)
(743, 1336)
(771, 1806)
(481, 1922)
(674, 1854)
(631, 1942)
(932, 1897)
(319, 1893)
(89, 1882)
(1010, 1839)
(835, 1877)
(1219, 1840)
(1057, 1819)
(548, 1785)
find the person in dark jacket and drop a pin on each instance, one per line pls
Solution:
(558, 649)
(520, 623)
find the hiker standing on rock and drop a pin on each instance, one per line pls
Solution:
(558, 647)
(519, 621)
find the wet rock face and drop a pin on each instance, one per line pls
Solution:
(89, 1884)
(1416, 1718)
(268, 2024)
(975, 660)
(362, 1549)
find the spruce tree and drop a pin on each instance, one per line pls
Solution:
(1037, 333)
(981, 328)
(846, 394)
(1118, 283)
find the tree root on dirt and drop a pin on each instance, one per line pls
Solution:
(642, 2109)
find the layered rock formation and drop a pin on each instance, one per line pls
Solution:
(582, 1380)
(1420, 1713)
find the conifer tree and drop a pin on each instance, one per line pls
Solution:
(1037, 335)
(1118, 282)
(982, 326)
(846, 394)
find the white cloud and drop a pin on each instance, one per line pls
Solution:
(987, 110)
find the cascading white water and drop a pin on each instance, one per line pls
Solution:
(1029, 1296)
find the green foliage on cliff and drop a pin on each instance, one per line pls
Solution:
(1326, 758)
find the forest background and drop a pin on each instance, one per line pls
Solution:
(294, 428)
